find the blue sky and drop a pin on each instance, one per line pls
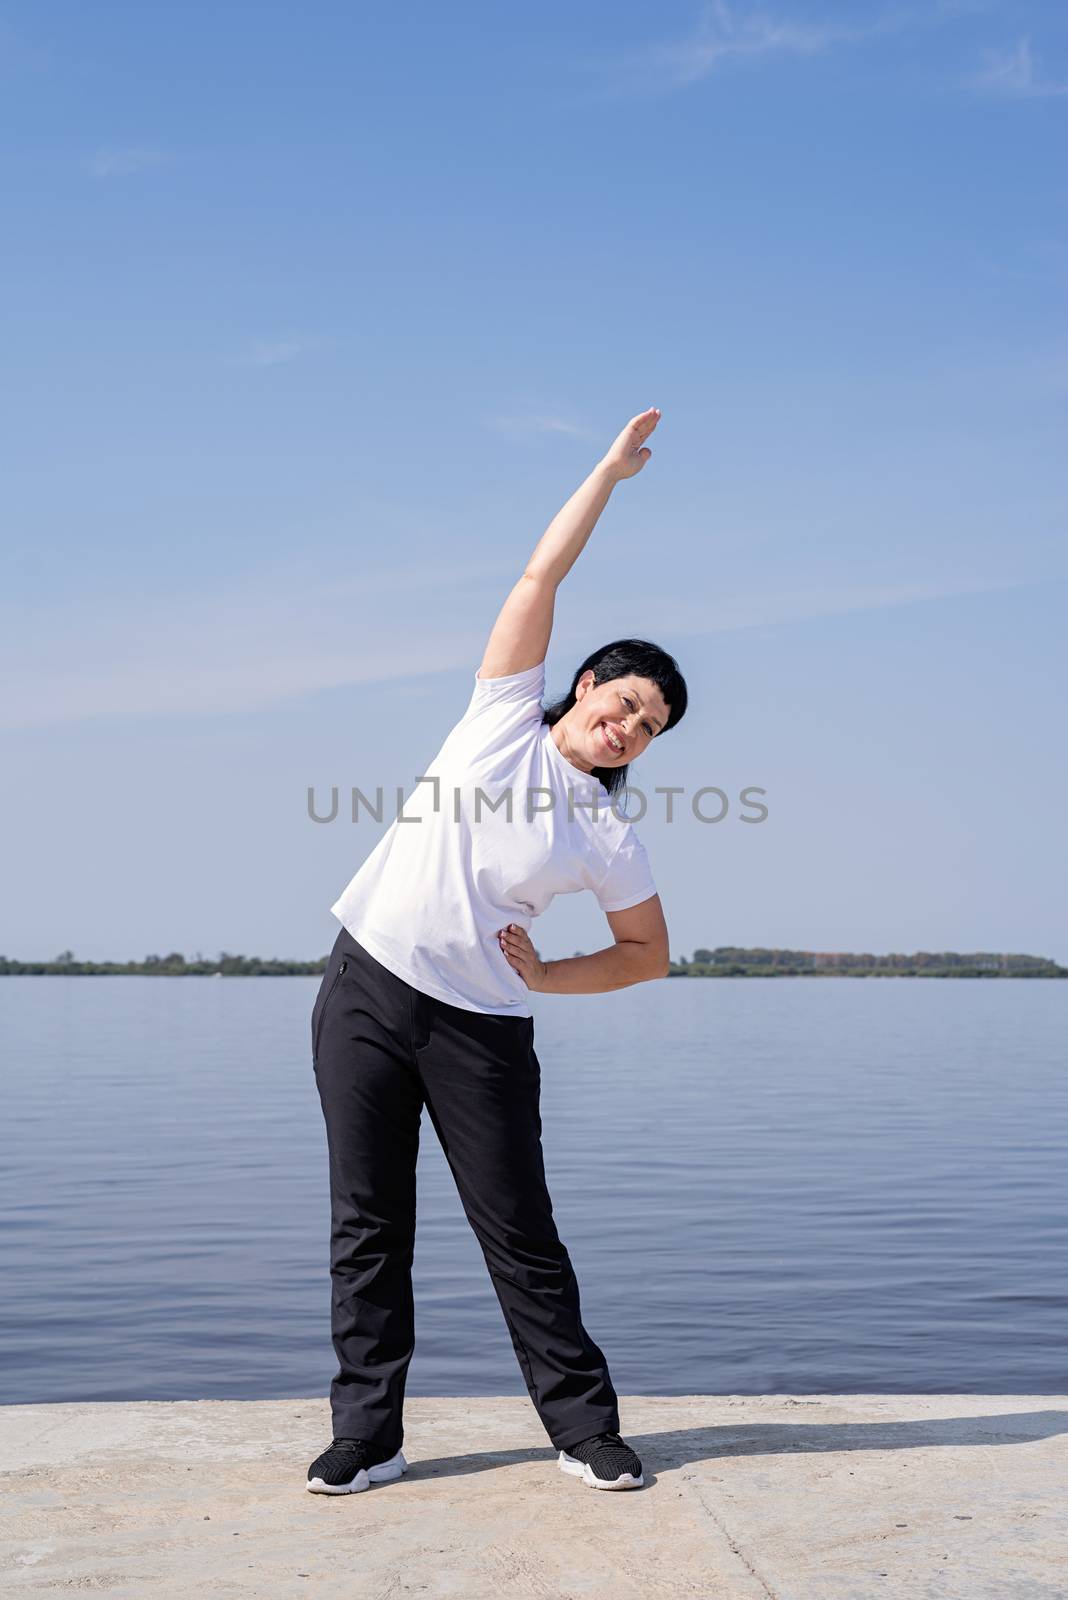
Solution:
(314, 318)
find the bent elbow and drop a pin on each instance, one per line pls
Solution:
(659, 965)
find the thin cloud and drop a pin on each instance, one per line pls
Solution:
(173, 682)
(277, 352)
(735, 613)
(725, 33)
(263, 645)
(120, 163)
(251, 645)
(530, 426)
(1014, 74)
(722, 33)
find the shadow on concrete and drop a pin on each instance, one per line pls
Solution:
(684, 1446)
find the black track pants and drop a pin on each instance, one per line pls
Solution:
(380, 1049)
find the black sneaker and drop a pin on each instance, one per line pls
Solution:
(349, 1465)
(603, 1462)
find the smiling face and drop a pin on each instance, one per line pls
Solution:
(611, 723)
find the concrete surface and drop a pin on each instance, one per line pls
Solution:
(828, 1497)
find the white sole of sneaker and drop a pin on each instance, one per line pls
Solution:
(583, 1470)
(381, 1472)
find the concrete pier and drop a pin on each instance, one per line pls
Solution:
(808, 1497)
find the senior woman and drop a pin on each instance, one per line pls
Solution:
(425, 1001)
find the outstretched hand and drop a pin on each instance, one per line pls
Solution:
(629, 453)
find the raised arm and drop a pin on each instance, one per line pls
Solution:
(521, 633)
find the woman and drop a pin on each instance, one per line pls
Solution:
(425, 999)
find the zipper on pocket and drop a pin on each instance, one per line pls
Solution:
(326, 1001)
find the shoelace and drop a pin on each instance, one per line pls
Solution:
(347, 1447)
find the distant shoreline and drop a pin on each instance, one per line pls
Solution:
(727, 961)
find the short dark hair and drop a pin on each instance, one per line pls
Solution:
(617, 660)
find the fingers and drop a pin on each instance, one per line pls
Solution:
(626, 454)
(515, 944)
(641, 426)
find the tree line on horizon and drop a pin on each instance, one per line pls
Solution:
(726, 961)
(730, 961)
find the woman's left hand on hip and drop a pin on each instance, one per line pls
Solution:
(521, 955)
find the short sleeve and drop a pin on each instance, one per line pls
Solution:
(629, 879)
(504, 704)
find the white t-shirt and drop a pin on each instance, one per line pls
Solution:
(428, 900)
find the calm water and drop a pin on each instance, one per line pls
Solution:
(765, 1185)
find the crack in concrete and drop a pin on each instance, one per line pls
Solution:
(692, 1480)
(733, 1544)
